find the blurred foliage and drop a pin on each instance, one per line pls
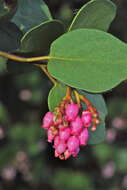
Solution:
(26, 159)
(71, 180)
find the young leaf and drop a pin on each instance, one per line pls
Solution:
(90, 60)
(97, 100)
(10, 36)
(55, 96)
(96, 14)
(31, 13)
(39, 39)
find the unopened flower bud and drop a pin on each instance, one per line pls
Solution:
(56, 141)
(86, 118)
(50, 135)
(76, 126)
(83, 137)
(71, 111)
(48, 120)
(64, 134)
(73, 144)
(61, 147)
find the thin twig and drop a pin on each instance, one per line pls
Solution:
(44, 68)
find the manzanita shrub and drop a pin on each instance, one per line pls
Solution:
(82, 61)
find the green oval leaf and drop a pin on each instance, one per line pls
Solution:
(31, 13)
(58, 92)
(39, 39)
(10, 37)
(96, 14)
(90, 60)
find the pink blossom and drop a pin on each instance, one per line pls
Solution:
(73, 144)
(61, 127)
(56, 141)
(56, 154)
(47, 120)
(83, 137)
(76, 126)
(86, 118)
(67, 127)
(65, 134)
(71, 111)
(75, 153)
(61, 147)
(50, 135)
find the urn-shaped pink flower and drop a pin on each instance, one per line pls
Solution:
(64, 134)
(71, 111)
(50, 135)
(47, 120)
(87, 118)
(73, 144)
(76, 126)
(83, 137)
(56, 141)
(61, 147)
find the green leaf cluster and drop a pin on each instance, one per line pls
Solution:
(83, 55)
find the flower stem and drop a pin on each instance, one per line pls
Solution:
(85, 100)
(68, 94)
(44, 68)
(77, 96)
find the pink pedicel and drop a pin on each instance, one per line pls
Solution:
(83, 137)
(47, 120)
(64, 134)
(76, 126)
(60, 148)
(73, 144)
(71, 111)
(50, 135)
(87, 118)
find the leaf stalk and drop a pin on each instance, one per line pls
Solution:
(23, 59)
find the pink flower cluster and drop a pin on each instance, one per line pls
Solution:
(68, 130)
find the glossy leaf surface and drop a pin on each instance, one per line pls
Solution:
(90, 60)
